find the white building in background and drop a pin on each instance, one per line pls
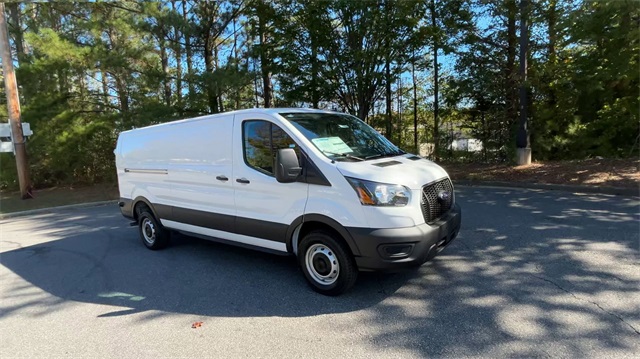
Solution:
(467, 144)
(462, 144)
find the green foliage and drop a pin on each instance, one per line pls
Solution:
(583, 75)
(88, 70)
(8, 171)
(589, 103)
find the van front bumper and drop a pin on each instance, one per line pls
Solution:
(394, 248)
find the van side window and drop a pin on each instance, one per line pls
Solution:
(261, 140)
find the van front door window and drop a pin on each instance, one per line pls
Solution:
(261, 141)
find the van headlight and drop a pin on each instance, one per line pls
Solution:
(380, 194)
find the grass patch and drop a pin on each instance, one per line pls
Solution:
(58, 196)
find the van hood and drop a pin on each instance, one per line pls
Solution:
(407, 170)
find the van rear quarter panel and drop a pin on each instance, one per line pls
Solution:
(138, 151)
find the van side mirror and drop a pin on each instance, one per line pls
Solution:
(287, 166)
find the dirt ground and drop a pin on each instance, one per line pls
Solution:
(622, 173)
(57, 196)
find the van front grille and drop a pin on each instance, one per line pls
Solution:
(437, 199)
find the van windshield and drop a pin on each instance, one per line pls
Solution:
(342, 137)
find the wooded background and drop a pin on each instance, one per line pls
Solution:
(419, 71)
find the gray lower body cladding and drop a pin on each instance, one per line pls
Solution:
(377, 249)
(395, 248)
(126, 207)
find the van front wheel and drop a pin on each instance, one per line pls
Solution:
(151, 233)
(327, 263)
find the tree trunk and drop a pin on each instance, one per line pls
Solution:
(56, 24)
(164, 61)
(165, 70)
(415, 106)
(387, 88)
(123, 97)
(522, 138)
(236, 91)
(485, 136)
(178, 53)
(436, 109)
(34, 10)
(315, 98)
(14, 9)
(121, 87)
(105, 90)
(264, 61)
(209, 66)
(400, 125)
(551, 49)
(63, 84)
(511, 74)
(387, 74)
(363, 109)
(255, 83)
(216, 84)
(188, 52)
(82, 82)
(312, 17)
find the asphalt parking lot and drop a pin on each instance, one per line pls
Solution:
(533, 273)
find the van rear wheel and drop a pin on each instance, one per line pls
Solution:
(327, 263)
(152, 234)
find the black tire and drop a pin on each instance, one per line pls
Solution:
(152, 234)
(327, 263)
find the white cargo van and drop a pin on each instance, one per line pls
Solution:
(321, 185)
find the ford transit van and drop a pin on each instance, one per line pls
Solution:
(320, 185)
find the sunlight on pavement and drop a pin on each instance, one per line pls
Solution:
(132, 297)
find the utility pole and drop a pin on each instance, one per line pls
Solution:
(522, 138)
(13, 107)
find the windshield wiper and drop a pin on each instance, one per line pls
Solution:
(345, 155)
(386, 154)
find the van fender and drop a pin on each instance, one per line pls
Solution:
(159, 211)
(140, 194)
(293, 231)
(144, 200)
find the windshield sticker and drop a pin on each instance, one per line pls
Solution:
(332, 144)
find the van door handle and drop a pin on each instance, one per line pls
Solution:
(243, 180)
(222, 178)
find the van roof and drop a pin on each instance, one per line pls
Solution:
(268, 111)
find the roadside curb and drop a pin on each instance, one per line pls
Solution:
(54, 209)
(616, 191)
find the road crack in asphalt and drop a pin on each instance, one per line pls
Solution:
(588, 301)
